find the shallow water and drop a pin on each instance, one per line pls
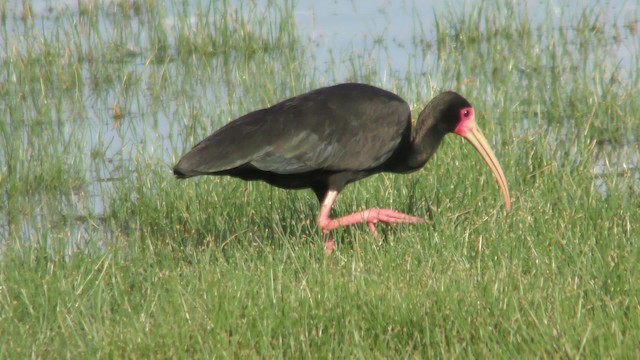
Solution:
(378, 34)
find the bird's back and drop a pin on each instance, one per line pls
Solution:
(347, 127)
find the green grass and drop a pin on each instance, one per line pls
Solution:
(104, 254)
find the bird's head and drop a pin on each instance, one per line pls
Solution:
(452, 113)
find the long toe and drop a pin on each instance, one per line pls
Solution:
(394, 217)
(372, 228)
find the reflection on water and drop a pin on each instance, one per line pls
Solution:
(618, 161)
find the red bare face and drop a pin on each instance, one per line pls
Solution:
(466, 122)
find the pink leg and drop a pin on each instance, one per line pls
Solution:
(369, 216)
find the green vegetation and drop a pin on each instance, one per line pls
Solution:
(104, 254)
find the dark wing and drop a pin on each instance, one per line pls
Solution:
(343, 127)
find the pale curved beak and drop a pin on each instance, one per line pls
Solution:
(473, 135)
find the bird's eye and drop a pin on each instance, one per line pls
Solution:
(466, 113)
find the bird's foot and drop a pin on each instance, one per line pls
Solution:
(387, 216)
(371, 217)
(328, 243)
(329, 246)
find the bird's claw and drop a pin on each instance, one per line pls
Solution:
(370, 216)
(388, 217)
(329, 246)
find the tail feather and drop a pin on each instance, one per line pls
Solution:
(180, 174)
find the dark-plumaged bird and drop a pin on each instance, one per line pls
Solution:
(329, 137)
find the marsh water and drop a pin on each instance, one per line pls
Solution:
(122, 124)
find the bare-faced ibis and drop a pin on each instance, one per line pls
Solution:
(327, 138)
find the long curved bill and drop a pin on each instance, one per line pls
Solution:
(473, 135)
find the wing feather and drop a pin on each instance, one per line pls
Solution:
(344, 127)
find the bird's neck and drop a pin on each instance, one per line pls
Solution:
(424, 144)
(427, 135)
(415, 154)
